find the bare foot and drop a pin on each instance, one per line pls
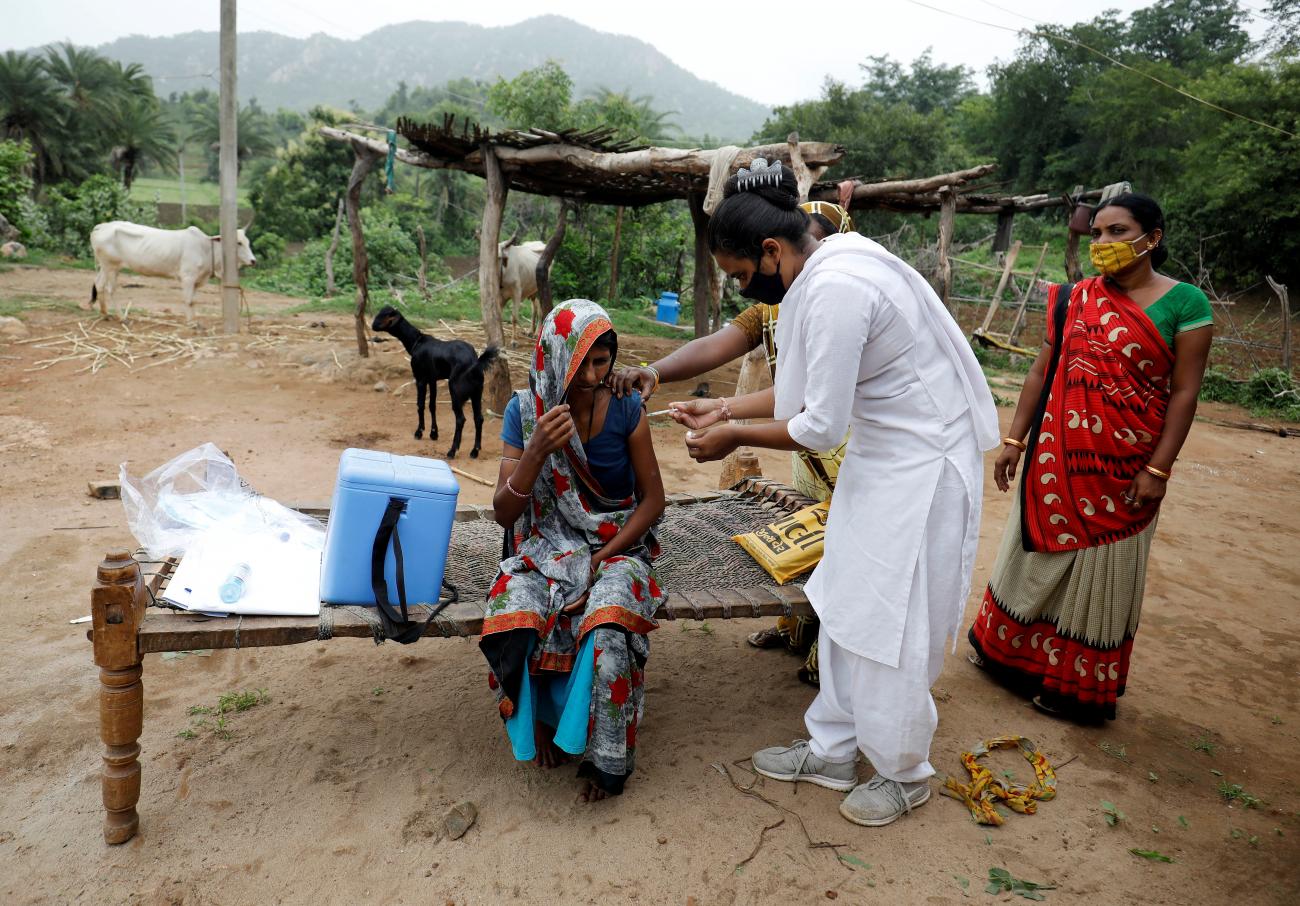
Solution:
(593, 793)
(549, 755)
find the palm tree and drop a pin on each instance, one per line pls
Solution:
(32, 107)
(143, 134)
(634, 117)
(255, 134)
(88, 81)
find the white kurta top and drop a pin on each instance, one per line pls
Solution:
(866, 343)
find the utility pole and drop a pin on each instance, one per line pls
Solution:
(229, 160)
(180, 168)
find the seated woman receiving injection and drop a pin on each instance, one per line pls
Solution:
(579, 493)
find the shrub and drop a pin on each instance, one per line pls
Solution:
(15, 179)
(73, 211)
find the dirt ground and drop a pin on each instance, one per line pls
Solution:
(333, 789)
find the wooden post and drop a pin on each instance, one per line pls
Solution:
(423, 274)
(1073, 271)
(702, 287)
(1002, 238)
(545, 302)
(330, 288)
(1002, 284)
(117, 606)
(947, 220)
(1019, 321)
(489, 276)
(613, 255)
(228, 158)
(742, 462)
(1280, 289)
(365, 160)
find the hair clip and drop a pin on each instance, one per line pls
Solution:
(758, 174)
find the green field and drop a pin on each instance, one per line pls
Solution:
(167, 189)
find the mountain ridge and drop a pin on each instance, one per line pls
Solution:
(297, 73)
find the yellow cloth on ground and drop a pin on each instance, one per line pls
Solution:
(979, 795)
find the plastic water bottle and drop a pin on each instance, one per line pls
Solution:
(233, 588)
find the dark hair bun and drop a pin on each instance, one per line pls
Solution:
(754, 208)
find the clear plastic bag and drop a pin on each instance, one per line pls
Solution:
(200, 490)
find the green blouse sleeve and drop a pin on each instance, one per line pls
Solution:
(1193, 309)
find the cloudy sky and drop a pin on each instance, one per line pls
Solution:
(748, 47)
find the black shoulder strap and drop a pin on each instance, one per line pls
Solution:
(398, 626)
(1058, 312)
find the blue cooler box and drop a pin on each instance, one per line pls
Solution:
(367, 480)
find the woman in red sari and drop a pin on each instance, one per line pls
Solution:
(1102, 417)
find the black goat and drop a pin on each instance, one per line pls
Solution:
(434, 360)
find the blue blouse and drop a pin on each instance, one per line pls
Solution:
(607, 452)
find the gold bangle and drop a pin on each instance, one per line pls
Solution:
(1158, 473)
(1018, 444)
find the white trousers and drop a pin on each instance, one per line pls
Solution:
(887, 712)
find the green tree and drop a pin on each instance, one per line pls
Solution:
(538, 98)
(926, 87)
(31, 109)
(297, 196)
(143, 134)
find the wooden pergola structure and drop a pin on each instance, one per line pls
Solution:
(594, 168)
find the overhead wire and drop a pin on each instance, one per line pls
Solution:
(1120, 63)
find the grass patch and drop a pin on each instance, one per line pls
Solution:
(167, 189)
(1203, 744)
(15, 305)
(215, 719)
(1234, 792)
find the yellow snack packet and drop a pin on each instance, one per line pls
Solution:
(790, 546)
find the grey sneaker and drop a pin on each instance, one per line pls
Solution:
(797, 762)
(879, 801)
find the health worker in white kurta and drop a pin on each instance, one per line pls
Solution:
(865, 343)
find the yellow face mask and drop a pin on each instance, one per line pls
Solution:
(1112, 257)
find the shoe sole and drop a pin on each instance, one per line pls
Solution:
(881, 822)
(830, 783)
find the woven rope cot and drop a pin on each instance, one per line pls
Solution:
(706, 575)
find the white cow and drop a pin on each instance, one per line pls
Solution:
(190, 255)
(519, 276)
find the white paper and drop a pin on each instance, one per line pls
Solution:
(283, 580)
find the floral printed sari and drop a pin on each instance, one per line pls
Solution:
(531, 645)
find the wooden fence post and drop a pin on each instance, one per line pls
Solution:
(1002, 284)
(702, 288)
(1002, 238)
(365, 161)
(489, 277)
(423, 274)
(330, 288)
(545, 302)
(947, 220)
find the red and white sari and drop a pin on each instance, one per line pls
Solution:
(1062, 606)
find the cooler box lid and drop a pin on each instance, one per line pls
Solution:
(386, 473)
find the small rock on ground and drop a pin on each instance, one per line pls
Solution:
(459, 819)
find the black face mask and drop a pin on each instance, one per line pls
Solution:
(766, 288)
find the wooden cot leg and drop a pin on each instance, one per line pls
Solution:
(117, 607)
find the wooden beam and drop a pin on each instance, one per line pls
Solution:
(361, 167)
(864, 191)
(489, 278)
(680, 161)
(330, 288)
